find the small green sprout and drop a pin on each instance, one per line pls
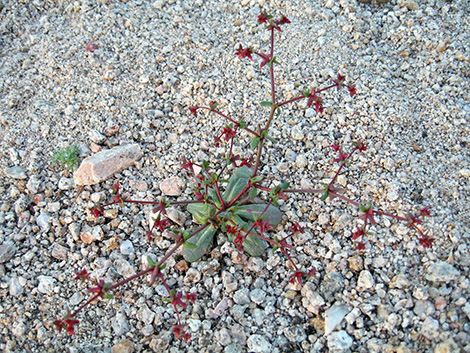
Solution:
(68, 157)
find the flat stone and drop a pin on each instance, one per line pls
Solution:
(430, 329)
(124, 346)
(16, 172)
(258, 344)
(59, 252)
(311, 300)
(448, 346)
(442, 272)
(104, 164)
(46, 284)
(334, 316)
(90, 235)
(7, 250)
(339, 341)
(66, 183)
(171, 186)
(365, 281)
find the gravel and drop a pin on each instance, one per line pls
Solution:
(100, 74)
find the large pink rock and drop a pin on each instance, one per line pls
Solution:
(102, 165)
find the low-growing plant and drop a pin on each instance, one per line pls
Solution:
(68, 157)
(234, 198)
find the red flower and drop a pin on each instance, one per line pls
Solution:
(297, 276)
(262, 18)
(360, 246)
(177, 301)
(361, 146)
(228, 132)
(262, 226)
(82, 275)
(296, 228)
(360, 232)
(191, 297)
(352, 90)
(96, 212)
(193, 111)
(91, 47)
(340, 81)
(266, 59)
(245, 162)
(425, 212)
(178, 331)
(159, 223)
(425, 241)
(238, 241)
(244, 53)
(283, 20)
(315, 100)
(67, 324)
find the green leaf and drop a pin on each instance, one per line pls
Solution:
(257, 179)
(239, 179)
(250, 212)
(254, 142)
(106, 295)
(272, 139)
(150, 262)
(266, 104)
(189, 245)
(202, 212)
(253, 193)
(201, 242)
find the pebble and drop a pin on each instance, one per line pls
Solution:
(124, 346)
(448, 346)
(365, 281)
(241, 297)
(223, 337)
(333, 317)
(311, 300)
(89, 235)
(104, 164)
(15, 288)
(43, 220)
(297, 133)
(123, 267)
(258, 296)
(46, 284)
(59, 252)
(442, 272)
(126, 247)
(120, 324)
(171, 186)
(145, 315)
(7, 250)
(258, 344)
(16, 172)
(430, 328)
(66, 183)
(339, 341)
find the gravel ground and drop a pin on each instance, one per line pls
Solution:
(150, 61)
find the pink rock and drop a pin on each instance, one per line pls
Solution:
(104, 164)
(171, 187)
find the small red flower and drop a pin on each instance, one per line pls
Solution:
(425, 212)
(244, 53)
(360, 232)
(361, 146)
(238, 241)
(284, 20)
(297, 276)
(360, 246)
(178, 331)
(263, 226)
(262, 18)
(177, 301)
(245, 162)
(352, 90)
(296, 228)
(67, 324)
(425, 241)
(191, 297)
(266, 59)
(193, 111)
(228, 132)
(82, 275)
(96, 212)
(339, 82)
